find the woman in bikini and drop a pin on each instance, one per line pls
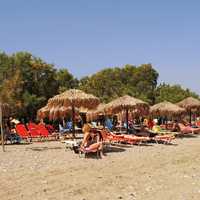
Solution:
(92, 140)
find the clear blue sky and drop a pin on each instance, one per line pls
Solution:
(87, 35)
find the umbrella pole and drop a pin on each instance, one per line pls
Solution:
(2, 134)
(190, 116)
(127, 120)
(73, 121)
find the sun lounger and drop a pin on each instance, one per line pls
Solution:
(187, 129)
(42, 130)
(114, 137)
(166, 139)
(33, 130)
(123, 138)
(50, 128)
(22, 131)
(131, 139)
(163, 136)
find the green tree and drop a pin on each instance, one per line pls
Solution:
(27, 82)
(111, 83)
(172, 93)
(66, 80)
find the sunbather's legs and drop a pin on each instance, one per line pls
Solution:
(95, 146)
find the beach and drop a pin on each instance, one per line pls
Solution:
(47, 171)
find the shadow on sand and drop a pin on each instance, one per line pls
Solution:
(114, 149)
(43, 148)
(186, 136)
(17, 144)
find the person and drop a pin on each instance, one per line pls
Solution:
(150, 123)
(145, 122)
(79, 122)
(11, 135)
(92, 140)
(108, 123)
(115, 121)
(62, 130)
(175, 127)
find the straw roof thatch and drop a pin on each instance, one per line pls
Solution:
(54, 112)
(166, 109)
(43, 112)
(126, 103)
(76, 98)
(60, 105)
(94, 114)
(189, 103)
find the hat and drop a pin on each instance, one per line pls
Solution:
(15, 121)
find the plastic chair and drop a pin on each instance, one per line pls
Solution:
(22, 131)
(33, 130)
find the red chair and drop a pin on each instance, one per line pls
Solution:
(33, 130)
(43, 131)
(50, 128)
(22, 131)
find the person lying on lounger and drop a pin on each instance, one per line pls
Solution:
(92, 141)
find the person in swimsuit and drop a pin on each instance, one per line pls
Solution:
(92, 141)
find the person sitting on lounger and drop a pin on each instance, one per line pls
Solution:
(63, 130)
(91, 140)
(11, 135)
(188, 129)
(145, 132)
(175, 127)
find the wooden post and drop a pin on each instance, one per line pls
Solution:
(73, 121)
(190, 116)
(2, 133)
(127, 120)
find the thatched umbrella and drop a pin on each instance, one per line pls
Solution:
(167, 109)
(94, 114)
(75, 99)
(43, 112)
(126, 103)
(4, 111)
(56, 112)
(190, 104)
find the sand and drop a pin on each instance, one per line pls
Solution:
(46, 171)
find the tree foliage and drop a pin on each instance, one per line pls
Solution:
(27, 82)
(66, 80)
(114, 82)
(172, 93)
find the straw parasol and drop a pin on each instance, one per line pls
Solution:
(94, 114)
(166, 109)
(4, 112)
(43, 112)
(56, 112)
(190, 104)
(126, 103)
(75, 99)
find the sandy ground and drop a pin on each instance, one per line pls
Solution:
(46, 171)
